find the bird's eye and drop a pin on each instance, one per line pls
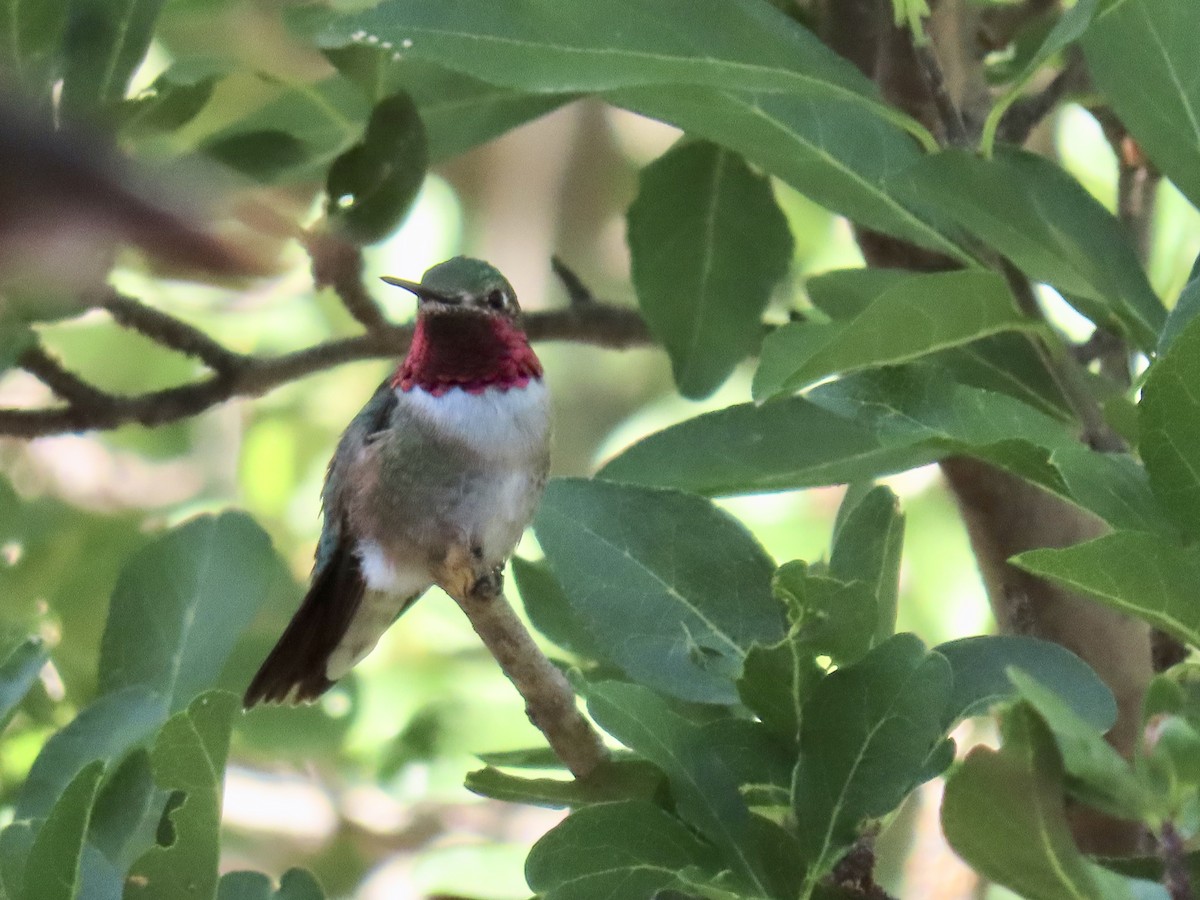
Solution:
(496, 300)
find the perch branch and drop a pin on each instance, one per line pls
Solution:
(339, 264)
(549, 700)
(239, 375)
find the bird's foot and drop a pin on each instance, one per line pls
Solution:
(489, 585)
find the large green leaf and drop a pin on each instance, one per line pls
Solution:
(1007, 363)
(839, 155)
(104, 43)
(52, 870)
(1142, 56)
(1169, 429)
(189, 759)
(777, 680)
(855, 429)
(980, 665)
(1038, 216)
(669, 587)
(705, 791)
(181, 604)
(1143, 575)
(575, 46)
(106, 730)
(123, 818)
(627, 849)
(916, 316)
(866, 737)
(1003, 813)
(708, 243)
(18, 673)
(549, 610)
(1112, 485)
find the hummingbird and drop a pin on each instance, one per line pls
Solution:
(432, 483)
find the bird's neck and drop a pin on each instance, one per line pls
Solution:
(469, 352)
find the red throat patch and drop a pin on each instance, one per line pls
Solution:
(468, 351)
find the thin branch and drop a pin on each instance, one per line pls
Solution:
(577, 291)
(1064, 369)
(66, 385)
(338, 264)
(549, 700)
(1026, 114)
(1176, 878)
(599, 324)
(171, 332)
(953, 127)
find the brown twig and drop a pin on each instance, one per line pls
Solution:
(953, 127)
(1027, 113)
(549, 700)
(171, 332)
(577, 291)
(1176, 878)
(338, 264)
(88, 409)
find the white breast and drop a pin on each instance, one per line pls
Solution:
(511, 424)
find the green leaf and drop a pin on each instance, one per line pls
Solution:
(627, 779)
(776, 681)
(1005, 363)
(105, 42)
(627, 849)
(52, 869)
(980, 666)
(30, 35)
(372, 185)
(836, 618)
(708, 243)
(1142, 575)
(296, 134)
(705, 791)
(1003, 813)
(867, 545)
(1042, 219)
(1099, 776)
(1142, 58)
(18, 672)
(550, 610)
(838, 155)
(1169, 429)
(173, 100)
(182, 603)
(296, 884)
(855, 429)
(459, 112)
(573, 46)
(1070, 26)
(917, 316)
(105, 730)
(1114, 486)
(189, 758)
(672, 589)
(858, 766)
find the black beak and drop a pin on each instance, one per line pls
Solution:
(423, 293)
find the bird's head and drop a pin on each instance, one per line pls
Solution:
(462, 285)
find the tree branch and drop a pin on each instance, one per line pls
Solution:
(338, 264)
(237, 375)
(549, 699)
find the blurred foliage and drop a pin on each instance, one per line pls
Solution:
(784, 661)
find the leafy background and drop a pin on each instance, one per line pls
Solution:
(152, 566)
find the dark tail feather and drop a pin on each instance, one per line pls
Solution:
(295, 669)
